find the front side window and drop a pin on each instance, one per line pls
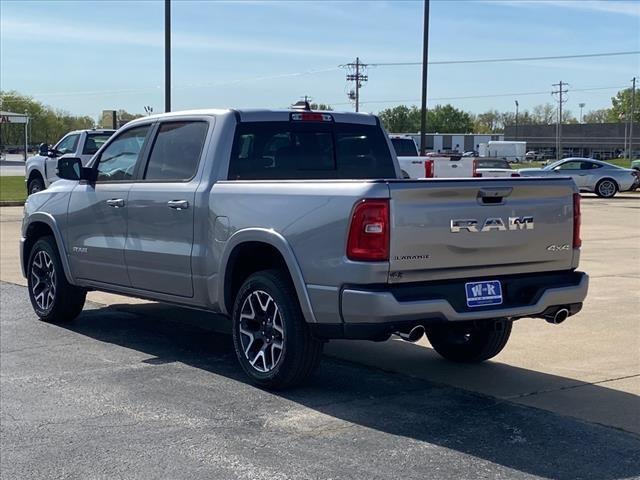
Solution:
(176, 151)
(118, 161)
(570, 166)
(68, 144)
(290, 151)
(94, 142)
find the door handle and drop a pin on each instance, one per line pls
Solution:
(178, 204)
(115, 202)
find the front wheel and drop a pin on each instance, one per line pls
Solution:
(52, 297)
(606, 188)
(35, 185)
(272, 341)
(470, 343)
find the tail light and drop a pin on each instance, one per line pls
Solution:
(428, 169)
(577, 219)
(515, 174)
(475, 169)
(369, 231)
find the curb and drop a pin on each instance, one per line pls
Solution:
(12, 203)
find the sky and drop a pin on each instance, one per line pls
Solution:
(89, 56)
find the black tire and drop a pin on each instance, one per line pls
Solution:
(606, 188)
(64, 302)
(470, 343)
(36, 184)
(300, 352)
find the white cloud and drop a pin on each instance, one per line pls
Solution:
(20, 29)
(605, 6)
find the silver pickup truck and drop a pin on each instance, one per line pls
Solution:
(297, 226)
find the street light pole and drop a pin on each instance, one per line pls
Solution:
(633, 113)
(425, 58)
(581, 105)
(167, 55)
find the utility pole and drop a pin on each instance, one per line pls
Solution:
(357, 77)
(167, 55)
(581, 105)
(517, 105)
(425, 63)
(633, 112)
(560, 92)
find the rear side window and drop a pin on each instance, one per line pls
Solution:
(94, 142)
(292, 151)
(404, 147)
(176, 151)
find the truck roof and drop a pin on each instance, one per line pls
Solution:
(263, 115)
(93, 130)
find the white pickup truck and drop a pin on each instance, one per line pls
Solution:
(432, 165)
(41, 169)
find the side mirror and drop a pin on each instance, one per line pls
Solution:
(557, 169)
(70, 168)
(43, 149)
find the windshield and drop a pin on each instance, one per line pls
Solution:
(553, 165)
(404, 147)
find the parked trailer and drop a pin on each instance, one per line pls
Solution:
(514, 152)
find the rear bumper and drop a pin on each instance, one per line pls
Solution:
(369, 312)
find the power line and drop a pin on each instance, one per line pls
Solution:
(494, 95)
(501, 60)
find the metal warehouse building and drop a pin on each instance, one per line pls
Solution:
(447, 142)
(597, 140)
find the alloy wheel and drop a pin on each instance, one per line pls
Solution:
(607, 189)
(261, 331)
(43, 280)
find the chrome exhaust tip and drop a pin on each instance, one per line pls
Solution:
(558, 317)
(414, 335)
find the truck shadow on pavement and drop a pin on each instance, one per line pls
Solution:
(342, 394)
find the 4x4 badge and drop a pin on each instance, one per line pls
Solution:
(558, 248)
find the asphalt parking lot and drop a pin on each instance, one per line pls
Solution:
(141, 390)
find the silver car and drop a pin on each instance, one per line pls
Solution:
(601, 178)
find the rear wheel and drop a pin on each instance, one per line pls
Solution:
(470, 343)
(52, 297)
(606, 188)
(272, 340)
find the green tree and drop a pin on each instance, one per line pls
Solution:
(46, 124)
(488, 122)
(621, 106)
(448, 119)
(544, 114)
(124, 117)
(401, 119)
(596, 116)
(320, 106)
(440, 119)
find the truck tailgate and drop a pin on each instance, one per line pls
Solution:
(479, 228)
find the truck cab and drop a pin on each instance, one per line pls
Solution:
(41, 169)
